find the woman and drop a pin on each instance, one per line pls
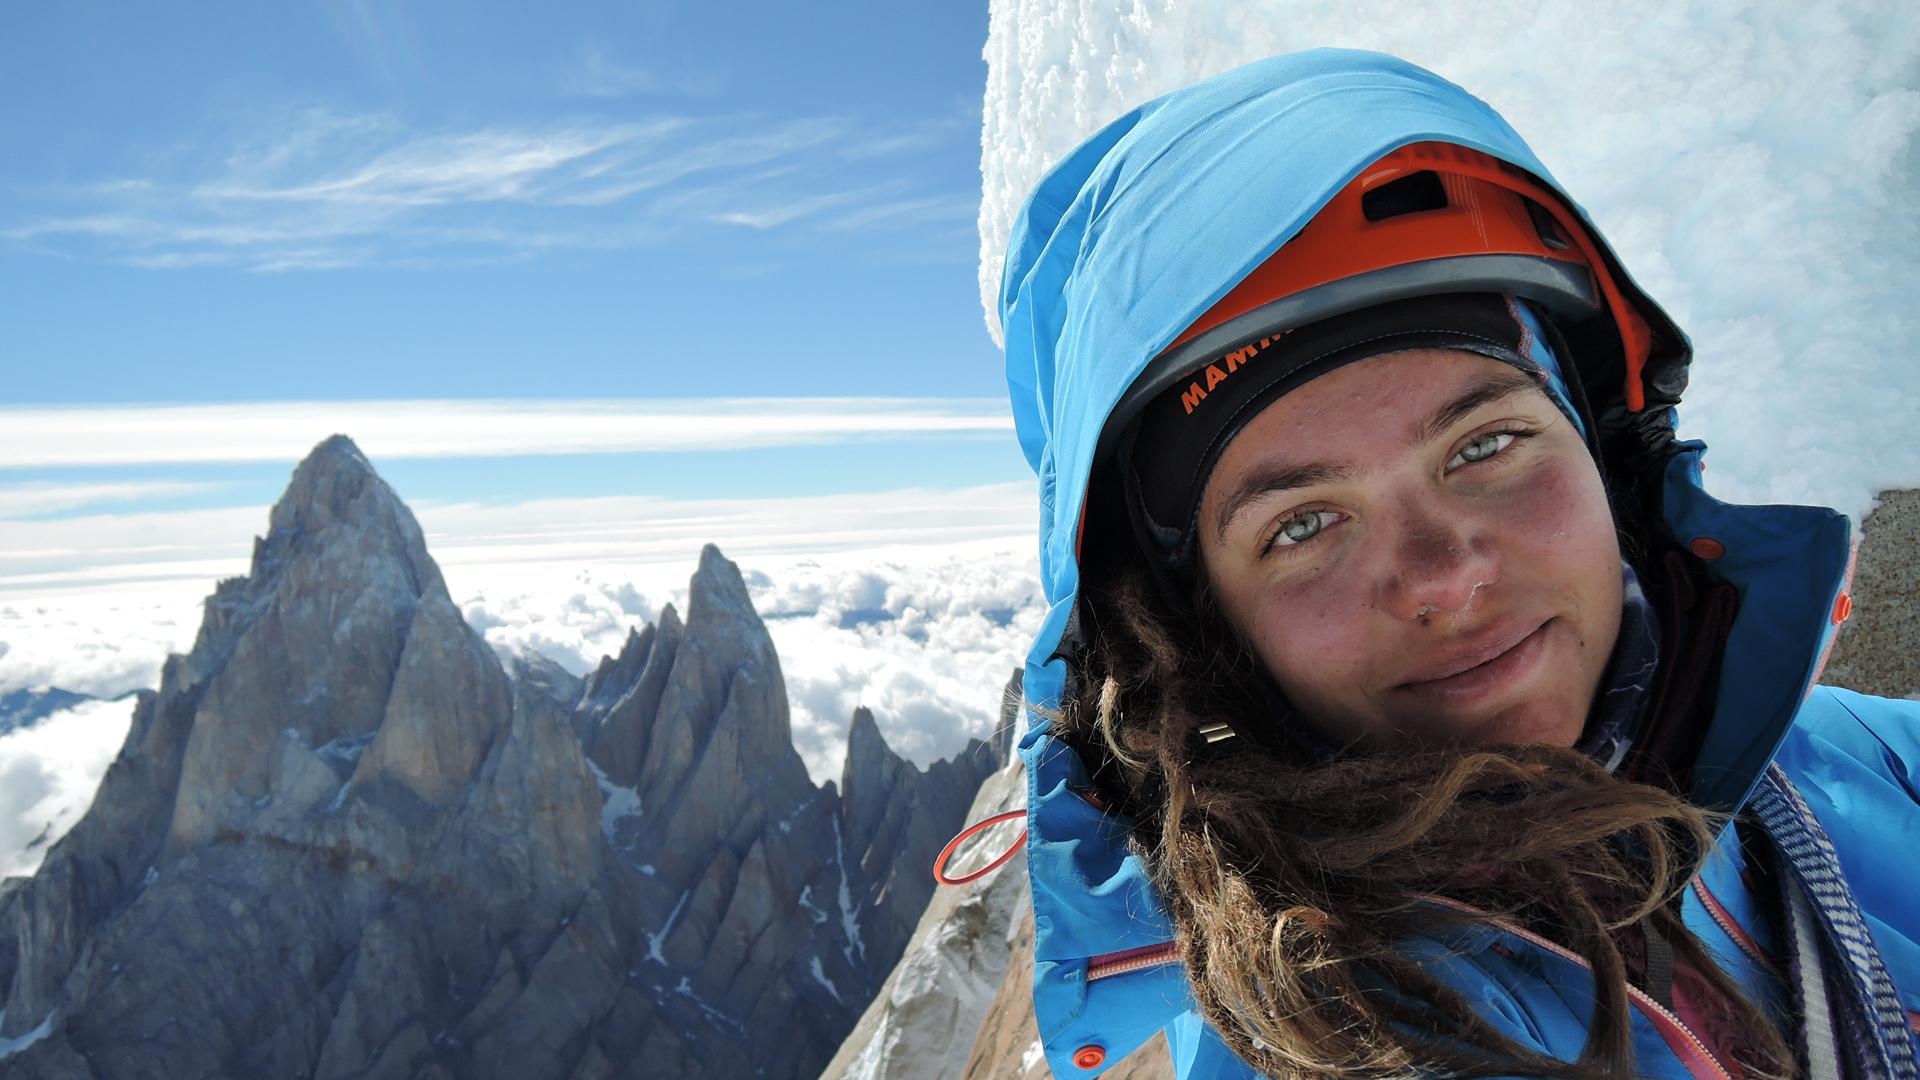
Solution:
(1404, 705)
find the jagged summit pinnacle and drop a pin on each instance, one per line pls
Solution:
(870, 762)
(338, 541)
(864, 732)
(327, 484)
(335, 490)
(341, 447)
(336, 456)
(871, 767)
(717, 589)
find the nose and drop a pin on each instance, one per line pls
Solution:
(1439, 566)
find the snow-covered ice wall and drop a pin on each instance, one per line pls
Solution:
(1753, 163)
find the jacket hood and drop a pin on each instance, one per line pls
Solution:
(1128, 240)
(1140, 229)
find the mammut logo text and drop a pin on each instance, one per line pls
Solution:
(1213, 373)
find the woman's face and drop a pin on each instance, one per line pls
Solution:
(1418, 546)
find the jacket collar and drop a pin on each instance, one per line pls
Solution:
(1789, 565)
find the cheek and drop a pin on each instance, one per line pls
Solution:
(1311, 632)
(1560, 518)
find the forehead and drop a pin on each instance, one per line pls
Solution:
(1365, 413)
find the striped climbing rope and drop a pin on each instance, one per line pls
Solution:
(1852, 980)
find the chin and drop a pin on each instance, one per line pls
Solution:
(1531, 724)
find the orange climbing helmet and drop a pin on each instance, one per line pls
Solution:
(1428, 218)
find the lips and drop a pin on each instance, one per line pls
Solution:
(1488, 660)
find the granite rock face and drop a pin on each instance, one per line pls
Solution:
(923, 1022)
(343, 840)
(959, 1006)
(1877, 650)
(888, 804)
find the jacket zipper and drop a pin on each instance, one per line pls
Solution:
(1702, 1063)
(1119, 963)
(1732, 928)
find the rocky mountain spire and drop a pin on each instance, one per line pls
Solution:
(342, 840)
(896, 818)
(342, 624)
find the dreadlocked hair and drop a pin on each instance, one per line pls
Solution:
(1303, 890)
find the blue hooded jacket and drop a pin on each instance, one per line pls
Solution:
(1123, 245)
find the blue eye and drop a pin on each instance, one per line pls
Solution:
(1300, 528)
(1483, 448)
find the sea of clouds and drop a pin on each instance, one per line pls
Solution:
(1752, 163)
(925, 636)
(48, 774)
(916, 604)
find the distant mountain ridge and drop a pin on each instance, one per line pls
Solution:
(342, 840)
(25, 707)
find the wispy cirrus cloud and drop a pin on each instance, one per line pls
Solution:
(915, 211)
(44, 497)
(319, 189)
(739, 158)
(773, 214)
(594, 73)
(438, 170)
(68, 436)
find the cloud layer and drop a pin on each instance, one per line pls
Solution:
(53, 436)
(924, 636)
(48, 775)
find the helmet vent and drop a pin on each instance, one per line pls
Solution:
(1550, 233)
(1407, 195)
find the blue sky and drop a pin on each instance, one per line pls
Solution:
(355, 201)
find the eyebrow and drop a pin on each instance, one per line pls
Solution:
(1267, 481)
(1493, 388)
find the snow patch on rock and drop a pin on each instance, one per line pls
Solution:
(654, 939)
(820, 977)
(21, 1042)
